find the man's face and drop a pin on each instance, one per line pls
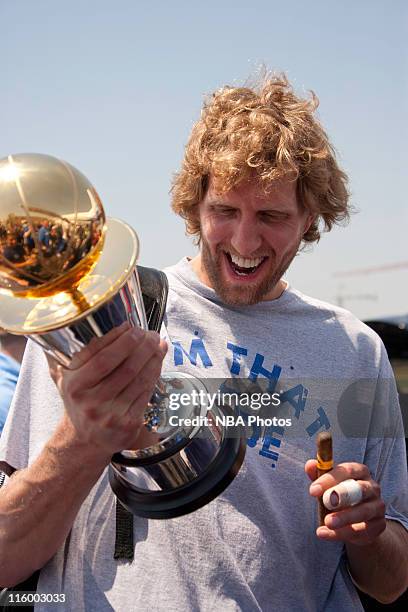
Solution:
(249, 239)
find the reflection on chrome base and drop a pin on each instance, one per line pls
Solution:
(182, 478)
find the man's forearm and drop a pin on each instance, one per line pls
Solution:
(39, 504)
(380, 569)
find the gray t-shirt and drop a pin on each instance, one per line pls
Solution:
(254, 547)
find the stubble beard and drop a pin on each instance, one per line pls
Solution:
(243, 295)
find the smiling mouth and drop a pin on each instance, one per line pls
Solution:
(245, 269)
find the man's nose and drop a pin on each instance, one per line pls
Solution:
(246, 238)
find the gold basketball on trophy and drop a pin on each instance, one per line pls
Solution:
(51, 223)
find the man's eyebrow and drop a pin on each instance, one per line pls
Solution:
(274, 209)
(220, 203)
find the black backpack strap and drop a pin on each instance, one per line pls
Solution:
(124, 533)
(154, 287)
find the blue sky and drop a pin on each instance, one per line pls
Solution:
(114, 89)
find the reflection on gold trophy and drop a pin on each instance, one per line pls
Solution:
(51, 225)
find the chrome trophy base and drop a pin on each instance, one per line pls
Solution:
(183, 477)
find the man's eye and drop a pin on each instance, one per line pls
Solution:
(272, 218)
(225, 212)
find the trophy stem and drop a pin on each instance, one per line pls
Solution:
(79, 300)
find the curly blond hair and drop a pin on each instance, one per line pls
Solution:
(266, 130)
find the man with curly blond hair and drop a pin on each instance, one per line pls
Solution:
(259, 179)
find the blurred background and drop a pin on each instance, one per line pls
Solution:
(114, 88)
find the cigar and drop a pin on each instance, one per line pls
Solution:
(324, 464)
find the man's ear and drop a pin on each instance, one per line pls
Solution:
(309, 220)
(194, 223)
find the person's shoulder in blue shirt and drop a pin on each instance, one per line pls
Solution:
(11, 354)
(9, 371)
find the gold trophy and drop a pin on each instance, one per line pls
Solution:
(60, 258)
(68, 274)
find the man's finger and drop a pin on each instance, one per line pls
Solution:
(350, 493)
(342, 471)
(142, 383)
(357, 533)
(106, 360)
(365, 511)
(97, 344)
(107, 392)
(311, 468)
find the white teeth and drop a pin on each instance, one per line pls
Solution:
(246, 263)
